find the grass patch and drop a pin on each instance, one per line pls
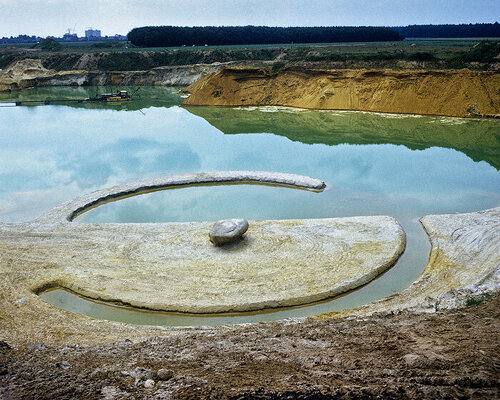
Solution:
(119, 56)
(49, 44)
(7, 58)
(61, 62)
(476, 301)
(277, 66)
(483, 52)
(125, 62)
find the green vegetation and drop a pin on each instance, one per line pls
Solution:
(450, 31)
(122, 56)
(277, 66)
(476, 301)
(125, 62)
(482, 52)
(379, 56)
(49, 45)
(61, 61)
(107, 45)
(134, 60)
(7, 57)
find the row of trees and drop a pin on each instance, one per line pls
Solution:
(450, 31)
(20, 39)
(164, 36)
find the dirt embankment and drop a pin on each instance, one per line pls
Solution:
(445, 355)
(22, 74)
(458, 93)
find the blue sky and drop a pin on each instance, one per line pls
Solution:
(54, 17)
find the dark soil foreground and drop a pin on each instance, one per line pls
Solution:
(452, 355)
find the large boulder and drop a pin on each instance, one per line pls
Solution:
(227, 231)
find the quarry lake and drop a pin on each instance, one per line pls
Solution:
(374, 164)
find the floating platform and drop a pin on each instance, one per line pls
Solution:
(118, 97)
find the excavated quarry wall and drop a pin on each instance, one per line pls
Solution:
(459, 93)
(30, 73)
(162, 76)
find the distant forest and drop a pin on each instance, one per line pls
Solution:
(449, 31)
(164, 36)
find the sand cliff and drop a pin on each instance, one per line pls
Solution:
(458, 93)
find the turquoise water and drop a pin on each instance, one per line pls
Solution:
(374, 164)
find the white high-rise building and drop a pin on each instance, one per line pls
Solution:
(92, 33)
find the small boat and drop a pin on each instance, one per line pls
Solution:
(121, 95)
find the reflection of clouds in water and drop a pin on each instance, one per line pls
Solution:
(51, 147)
(207, 204)
(248, 160)
(128, 156)
(88, 173)
(66, 152)
(28, 205)
(176, 157)
(22, 170)
(393, 169)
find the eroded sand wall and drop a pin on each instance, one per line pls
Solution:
(30, 73)
(457, 93)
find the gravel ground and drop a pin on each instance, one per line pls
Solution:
(453, 354)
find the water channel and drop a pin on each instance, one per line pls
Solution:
(374, 164)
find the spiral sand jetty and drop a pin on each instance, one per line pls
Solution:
(174, 267)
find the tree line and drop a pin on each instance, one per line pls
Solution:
(166, 36)
(450, 31)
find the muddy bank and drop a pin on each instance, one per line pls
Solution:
(31, 73)
(445, 355)
(461, 93)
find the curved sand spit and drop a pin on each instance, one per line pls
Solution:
(73, 208)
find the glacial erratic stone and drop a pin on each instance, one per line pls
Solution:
(227, 231)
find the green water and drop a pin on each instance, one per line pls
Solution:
(374, 164)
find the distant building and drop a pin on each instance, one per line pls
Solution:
(92, 34)
(70, 37)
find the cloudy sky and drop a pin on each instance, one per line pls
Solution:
(54, 17)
